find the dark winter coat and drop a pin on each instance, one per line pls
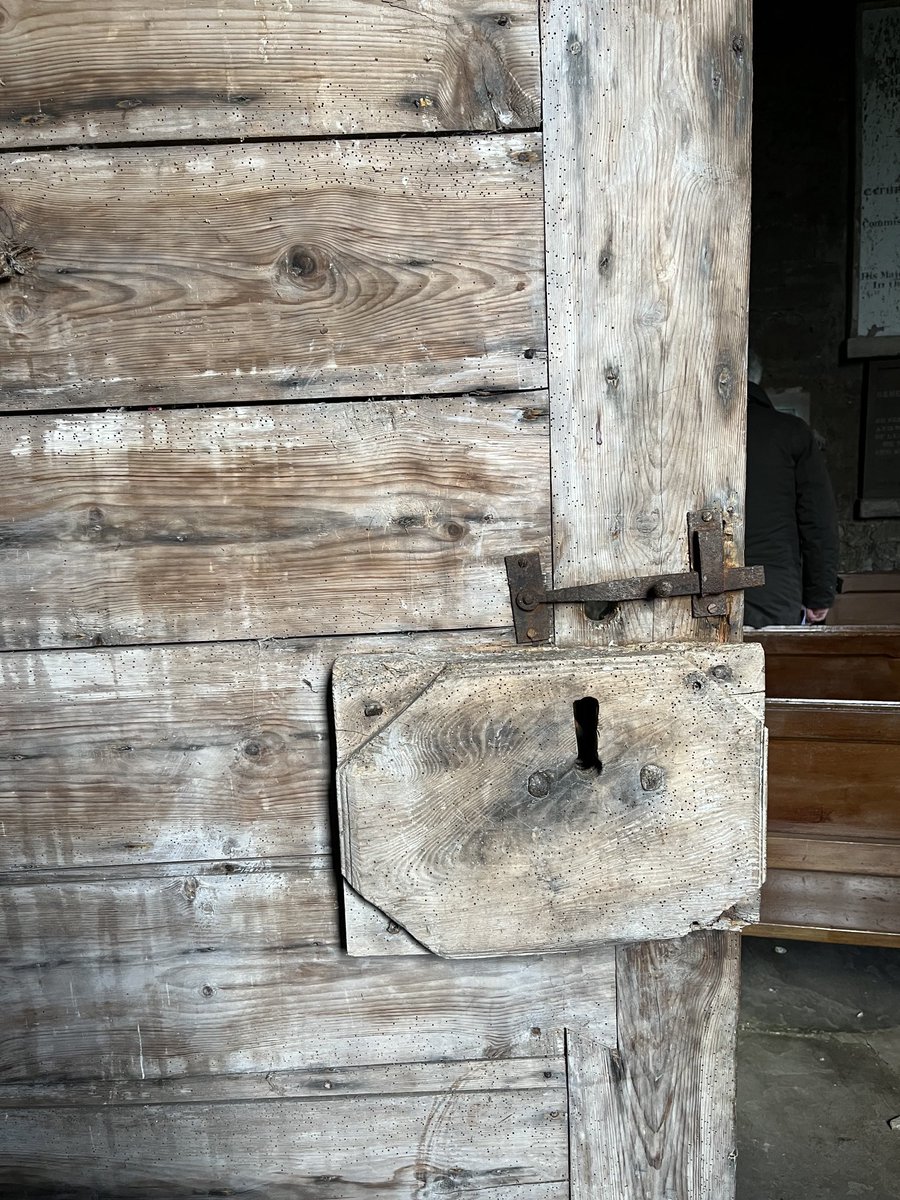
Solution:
(791, 517)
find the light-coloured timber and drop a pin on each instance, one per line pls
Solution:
(473, 820)
(648, 114)
(226, 972)
(655, 1124)
(397, 1147)
(125, 72)
(646, 107)
(142, 755)
(257, 522)
(272, 271)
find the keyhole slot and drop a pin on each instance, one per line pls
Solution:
(587, 718)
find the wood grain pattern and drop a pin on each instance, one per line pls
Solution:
(249, 68)
(831, 663)
(653, 1118)
(466, 818)
(874, 721)
(340, 1149)
(206, 524)
(173, 753)
(834, 768)
(816, 933)
(236, 968)
(648, 113)
(833, 900)
(423, 1078)
(272, 271)
(818, 852)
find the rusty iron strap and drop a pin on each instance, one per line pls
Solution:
(531, 601)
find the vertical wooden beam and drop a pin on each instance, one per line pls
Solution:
(647, 156)
(653, 1119)
(647, 188)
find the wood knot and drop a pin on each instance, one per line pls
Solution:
(15, 260)
(305, 266)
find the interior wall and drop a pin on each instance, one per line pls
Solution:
(803, 155)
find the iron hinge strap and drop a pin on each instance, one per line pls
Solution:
(707, 583)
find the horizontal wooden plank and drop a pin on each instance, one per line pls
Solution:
(170, 753)
(819, 933)
(865, 721)
(210, 524)
(822, 641)
(398, 1147)
(823, 853)
(428, 1078)
(834, 768)
(272, 271)
(210, 974)
(246, 68)
(476, 820)
(831, 663)
(208, 909)
(835, 900)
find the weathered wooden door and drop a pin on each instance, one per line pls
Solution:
(315, 312)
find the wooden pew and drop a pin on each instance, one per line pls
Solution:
(833, 714)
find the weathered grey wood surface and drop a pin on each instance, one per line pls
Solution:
(123, 72)
(408, 1079)
(651, 1117)
(118, 757)
(205, 524)
(467, 819)
(272, 271)
(648, 113)
(215, 968)
(269, 273)
(647, 110)
(402, 1146)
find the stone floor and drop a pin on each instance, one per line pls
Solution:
(818, 1072)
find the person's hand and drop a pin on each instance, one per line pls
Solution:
(815, 616)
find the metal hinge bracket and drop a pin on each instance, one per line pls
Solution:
(707, 582)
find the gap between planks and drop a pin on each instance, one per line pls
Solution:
(485, 393)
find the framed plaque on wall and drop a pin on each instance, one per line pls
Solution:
(880, 491)
(875, 298)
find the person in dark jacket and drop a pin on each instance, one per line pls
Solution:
(791, 525)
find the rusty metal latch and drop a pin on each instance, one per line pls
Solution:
(707, 582)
